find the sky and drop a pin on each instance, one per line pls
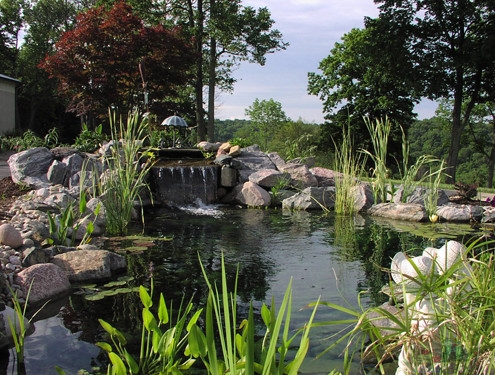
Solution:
(311, 27)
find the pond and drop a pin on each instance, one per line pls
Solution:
(327, 256)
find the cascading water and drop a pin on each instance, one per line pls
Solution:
(182, 185)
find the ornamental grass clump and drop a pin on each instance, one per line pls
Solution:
(349, 166)
(379, 133)
(126, 168)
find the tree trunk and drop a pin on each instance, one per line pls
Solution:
(457, 128)
(491, 159)
(211, 88)
(201, 136)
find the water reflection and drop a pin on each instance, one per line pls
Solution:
(330, 257)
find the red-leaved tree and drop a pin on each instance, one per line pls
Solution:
(110, 58)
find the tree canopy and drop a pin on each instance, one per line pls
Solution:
(111, 59)
(452, 46)
(360, 80)
(432, 48)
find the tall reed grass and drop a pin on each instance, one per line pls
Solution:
(123, 183)
(349, 165)
(379, 133)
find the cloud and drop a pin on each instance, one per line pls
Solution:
(312, 27)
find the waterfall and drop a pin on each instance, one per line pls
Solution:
(184, 185)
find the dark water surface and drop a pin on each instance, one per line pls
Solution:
(330, 257)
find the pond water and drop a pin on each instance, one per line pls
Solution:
(326, 256)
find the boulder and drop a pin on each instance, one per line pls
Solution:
(311, 198)
(228, 176)
(253, 159)
(324, 176)
(399, 211)
(235, 151)
(10, 236)
(31, 166)
(268, 178)
(252, 195)
(89, 265)
(300, 175)
(277, 160)
(56, 173)
(74, 164)
(460, 213)
(45, 280)
(35, 255)
(363, 197)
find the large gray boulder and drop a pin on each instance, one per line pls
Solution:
(31, 166)
(300, 175)
(311, 198)
(268, 178)
(89, 265)
(460, 212)
(363, 197)
(252, 159)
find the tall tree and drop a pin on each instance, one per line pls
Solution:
(39, 107)
(368, 74)
(452, 43)
(11, 24)
(97, 63)
(225, 33)
(266, 116)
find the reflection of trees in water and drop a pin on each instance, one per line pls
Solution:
(373, 245)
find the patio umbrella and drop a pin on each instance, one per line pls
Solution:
(175, 122)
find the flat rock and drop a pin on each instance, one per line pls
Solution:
(89, 265)
(268, 178)
(399, 211)
(460, 212)
(324, 176)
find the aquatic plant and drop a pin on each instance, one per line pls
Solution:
(349, 166)
(124, 180)
(379, 133)
(240, 353)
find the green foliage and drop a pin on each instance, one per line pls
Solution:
(351, 91)
(349, 165)
(240, 354)
(163, 340)
(241, 142)
(124, 180)
(18, 326)
(379, 132)
(90, 140)
(226, 129)
(266, 116)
